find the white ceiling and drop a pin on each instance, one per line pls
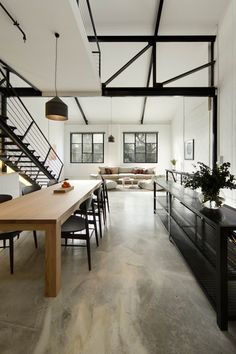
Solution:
(112, 17)
(35, 59)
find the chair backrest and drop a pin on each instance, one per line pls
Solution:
(5, 197)
(51, 182)
(86, 205)
(30, 189)
(98, 192)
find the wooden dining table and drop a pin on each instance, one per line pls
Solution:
(47, 211)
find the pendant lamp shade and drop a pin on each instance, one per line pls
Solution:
(56, 109)
(111, 138)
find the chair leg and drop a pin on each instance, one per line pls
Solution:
(88, 253)
(4, 243)
(107, 200)
(104, 211)
(35, 239)
(11, 244)
(99, 222)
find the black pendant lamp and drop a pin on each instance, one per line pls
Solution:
(111, 138)
(56, 109)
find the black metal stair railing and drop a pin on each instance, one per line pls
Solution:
(24, 147)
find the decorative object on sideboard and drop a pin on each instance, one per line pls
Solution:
(211, 181)
(189, 149)
(173, 163)
(56, 109)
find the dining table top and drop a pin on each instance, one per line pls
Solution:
(45, 205)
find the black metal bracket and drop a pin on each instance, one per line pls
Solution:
(15, 23)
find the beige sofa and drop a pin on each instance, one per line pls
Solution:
(137, 173)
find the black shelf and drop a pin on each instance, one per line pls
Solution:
(204, 238)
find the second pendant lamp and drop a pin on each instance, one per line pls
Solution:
(56, 109)
(111, 138)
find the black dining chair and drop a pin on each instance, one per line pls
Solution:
(28, 190)
(77, 228)
(99, 207)
(105, 194)
(8, 236)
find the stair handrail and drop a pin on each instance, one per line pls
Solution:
(11, 89)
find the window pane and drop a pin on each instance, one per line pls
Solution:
(98, 148)
(98, 158)
(87, 148)
(129, 157)
(87, 138)
(151, 148)
(151, 138)
(76, 138)
(129, 138)
(129, 148)
(140, 158)
(140, 139)
(87, 157)
(151, 158)
(76, 153)
(140, 148)
(98, 138)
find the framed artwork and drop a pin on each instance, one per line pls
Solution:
(189, 149)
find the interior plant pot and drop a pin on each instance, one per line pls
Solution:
(211, 202)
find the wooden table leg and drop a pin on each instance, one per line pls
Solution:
(52, 260)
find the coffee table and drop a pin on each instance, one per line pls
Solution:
(126, 179)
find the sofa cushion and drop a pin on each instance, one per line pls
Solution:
(115, 170)
(122, 175)
(125, 169)
(112, 176)
(102, 169)
(151, 170)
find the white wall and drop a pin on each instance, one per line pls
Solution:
(191, 121)
(227, 91)
(113, 152)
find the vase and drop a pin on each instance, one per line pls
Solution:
(210, 202)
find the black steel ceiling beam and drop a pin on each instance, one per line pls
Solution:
(93, 24)
(159, 91)
(152, 39)
(127, 64)
(20, 91)
(81, 111)
(153, 57)
(187, 73)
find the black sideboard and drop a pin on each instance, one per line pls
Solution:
(204, 238)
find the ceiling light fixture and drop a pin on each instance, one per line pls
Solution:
(56, 109)
(111, 138)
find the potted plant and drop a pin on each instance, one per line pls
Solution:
(211, 181)
(173, 162)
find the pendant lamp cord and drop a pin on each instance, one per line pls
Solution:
(57, 36)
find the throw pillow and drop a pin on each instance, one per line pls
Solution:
(114, 170)
(108, 171)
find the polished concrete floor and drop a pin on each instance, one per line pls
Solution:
(139, 298)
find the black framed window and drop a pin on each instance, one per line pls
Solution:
(140, 147)
(87, 147)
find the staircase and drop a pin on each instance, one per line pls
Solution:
(23, 146)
